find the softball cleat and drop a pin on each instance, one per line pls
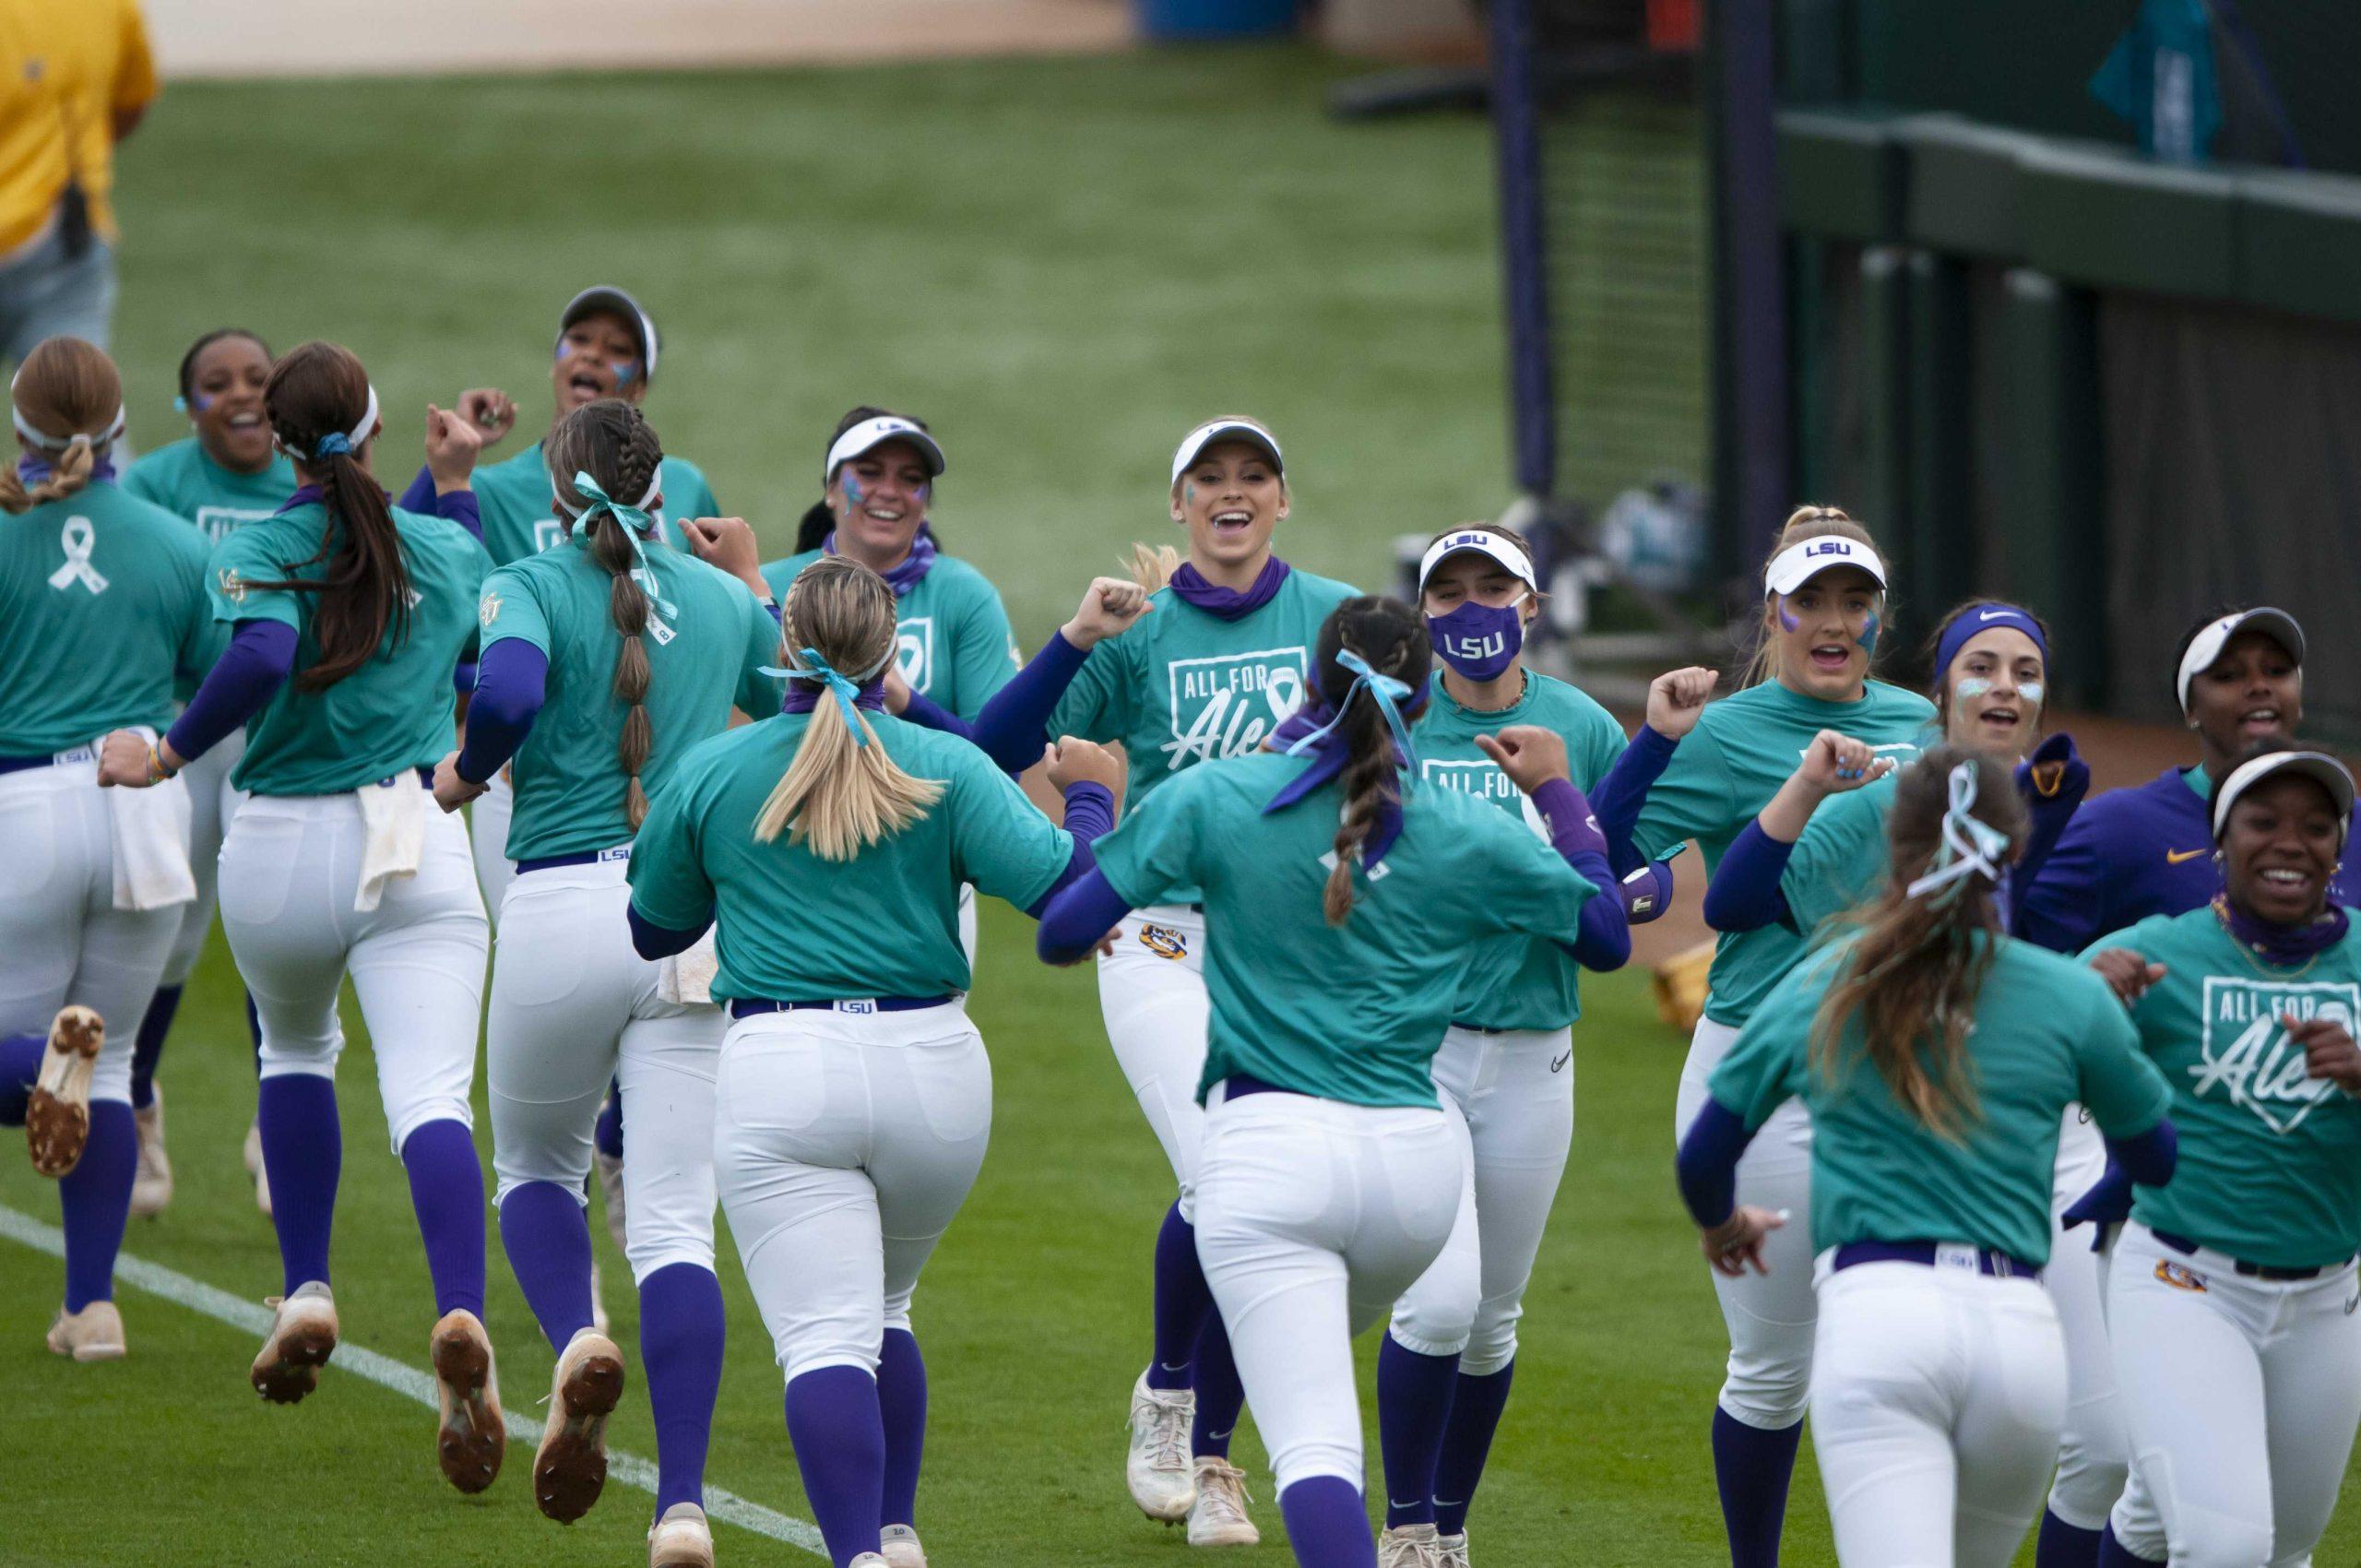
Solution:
(570, 1466)
(900, 1543)
(472, 1435)
(302, 1338)
(1409, 1546)
(868, 1560)
(151, 1186)
(680, 1539)
(57, 1117)
(1158, 1468)
(94, 1333)
(1450, 1552)
(1218, 1515)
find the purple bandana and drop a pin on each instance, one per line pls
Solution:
(1328, 754)
(803, 697)
(32, 470)
(2285, 944)
(1229, 604)
(914, 566)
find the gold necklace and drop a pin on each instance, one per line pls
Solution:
(2263, 966)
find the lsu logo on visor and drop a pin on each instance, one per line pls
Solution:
(1164, 941)
(2178, 1276)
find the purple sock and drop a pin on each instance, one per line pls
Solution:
(2065, 1545)
(901, 1401)
(1413, 1407)
(303, 1150)
(2113, 1554)
(607, 1134)
(1477, 1401)
(1328, 1524)
(254, 1032)
(839, 1437)
(96, 1196)
(548, 1241)
(680, 1337)
(1183, 1302)
(19, 1070)
(1752, 1466)
(446, 1193)
(1220, 1396)
(149, 1047)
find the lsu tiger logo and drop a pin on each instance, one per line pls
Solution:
(2178, 1276)
(1164, 941)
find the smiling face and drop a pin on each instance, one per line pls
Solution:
(2254, 692)
(880, 499)
(2279, 849)
(225, 403)
(1825, 631)
(597, 357)
(1229, 499)
(1991, 696)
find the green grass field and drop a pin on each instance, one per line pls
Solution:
(1063, 265)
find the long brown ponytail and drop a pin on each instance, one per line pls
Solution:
(613, 442)
(1390, 638)
(71, 392)
(1920, 961)
(316, 394)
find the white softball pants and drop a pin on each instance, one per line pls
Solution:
(62, 940)
(211, 803)
(2093, 1451)
(1312, 1218)
(488, 816)
(1770, 1316)
(289, 867)
(1936, 1398)
(573, 1005)
(843, 1143)
(2241, 1394)
(1152, 995)
(1510, 1096)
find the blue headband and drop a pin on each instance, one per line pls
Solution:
(1979, 618)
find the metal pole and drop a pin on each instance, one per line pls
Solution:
(1751, 488)
(1533, 418)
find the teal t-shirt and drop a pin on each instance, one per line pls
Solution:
(514, 497)
(394, 712)
(183, 480)
(1842, 858)
(1518, 982)
(1352, 1013)
(2049, 1034)
(2270, 1165)
(952, 637)
(796, 928)
(703, 660)
(102, 604)
(1727, 769)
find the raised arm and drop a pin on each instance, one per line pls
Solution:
(1744, 893)
(1012, 727)
(1534, 760)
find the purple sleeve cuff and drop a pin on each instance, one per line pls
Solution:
(247, 675)
(1078, 917)
(461, 507)
(1744, 893)
(1573, 827)
(1090, 813)
(420, 496)
(652, 941)
(1646, 892)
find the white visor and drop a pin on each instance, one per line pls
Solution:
(2207, 645)
(2318, 766)
(1206, 434)
(1801, 562)
(1479, 542)
(607, 298)
(871, 434)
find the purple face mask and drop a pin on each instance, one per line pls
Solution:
(1480, 640)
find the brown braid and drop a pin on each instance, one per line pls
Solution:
(1390, 637)
(65, 388)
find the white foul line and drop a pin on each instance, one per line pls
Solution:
(387, 1372)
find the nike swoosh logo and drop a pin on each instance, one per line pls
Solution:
(1990, 614)
(2181, 857)
(1560, 1063)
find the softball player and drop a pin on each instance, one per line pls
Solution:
(1210, 674)
(102, 600)
(2237, 680)
(2230, 1294)
(348, 616)
(1822, 612)
(1504, 1074)
(607, 347)
(1329, 1176)
(828, 847)
(1819, 849)
(1939, 1056)
(569, 685)
(226, 474)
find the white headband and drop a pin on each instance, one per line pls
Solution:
(1799, 563)
(339, 441)
(2207, 645)
(49, 443)
(876, 432)
(1483, 541)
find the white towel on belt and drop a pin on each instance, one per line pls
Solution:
(149, 830)
(393, 827)
(686, 978)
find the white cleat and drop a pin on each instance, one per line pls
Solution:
(151, 1186)
(57, 1117)
(471, 1435)
(1159, 1469)
(1450, 1552)
(1409, 1546)
(254, 1167)
(1218, 1516)
(867, 1560)
(902, 1549)
(570, 1466)
(94, 1333)
(680, 1539)
(302, 1338)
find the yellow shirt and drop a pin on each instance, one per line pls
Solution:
(68, 68)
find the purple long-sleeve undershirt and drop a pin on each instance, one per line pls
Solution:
(243, 681)
(1744, 893)
(1707, 1164)
(459, 505)
(512, 682)
(1013, 724)
(1618, 798)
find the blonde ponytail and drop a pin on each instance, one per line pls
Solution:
(1152, 565)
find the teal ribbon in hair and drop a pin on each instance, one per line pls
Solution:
(636, 524)
(1971, 848)
(842, 687)
(1384, 690)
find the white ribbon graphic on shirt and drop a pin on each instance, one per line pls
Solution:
(79, 540)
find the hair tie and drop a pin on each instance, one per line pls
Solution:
(636, 520)
(1383, 690)
(847, 691)
(344, 442)
(1971, 847)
